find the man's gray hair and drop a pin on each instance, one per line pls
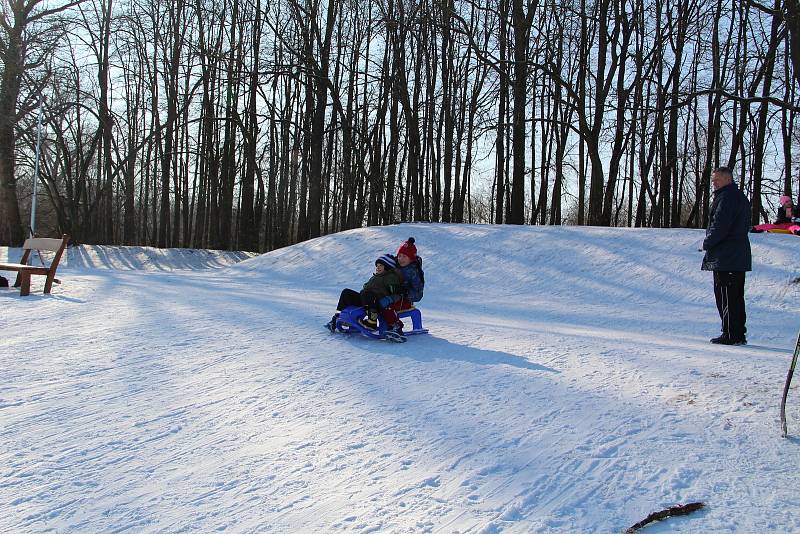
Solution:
(726, 171)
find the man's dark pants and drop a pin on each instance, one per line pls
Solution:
(729, 293)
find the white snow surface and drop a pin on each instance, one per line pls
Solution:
(567, 385)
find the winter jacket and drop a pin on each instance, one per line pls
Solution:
(727, 244)
(382, 285)
(412, 282)
(782, 218)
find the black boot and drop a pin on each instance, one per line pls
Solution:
(370, 320)
(331, 325)
(724, 339)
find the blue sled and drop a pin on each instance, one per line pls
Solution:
(348, 322)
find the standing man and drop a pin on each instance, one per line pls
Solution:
(728, 254)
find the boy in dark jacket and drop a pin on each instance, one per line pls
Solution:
(385, 281)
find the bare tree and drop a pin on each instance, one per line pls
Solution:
(31, 29)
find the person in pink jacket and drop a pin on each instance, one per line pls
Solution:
(786, 221)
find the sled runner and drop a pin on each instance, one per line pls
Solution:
(348, 322)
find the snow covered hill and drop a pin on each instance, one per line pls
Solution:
(567, 385)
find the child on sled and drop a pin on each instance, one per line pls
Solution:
(409, 265)
(386, 281)
(786, 221)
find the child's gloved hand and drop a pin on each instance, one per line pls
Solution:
(386, 301)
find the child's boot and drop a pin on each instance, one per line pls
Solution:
(331, 325)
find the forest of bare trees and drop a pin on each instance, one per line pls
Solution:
(254, 124)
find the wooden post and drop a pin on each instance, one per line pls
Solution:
(25, 278)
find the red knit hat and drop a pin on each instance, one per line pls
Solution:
(408, 249)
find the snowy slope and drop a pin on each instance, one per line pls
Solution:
(567, 385)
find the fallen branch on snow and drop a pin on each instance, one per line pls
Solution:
(681, 509)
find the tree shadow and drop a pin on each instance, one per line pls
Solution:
(779, 350)
(9, 292)
(13, 293)
(149, 259)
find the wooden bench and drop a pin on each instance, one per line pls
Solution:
(24, 271)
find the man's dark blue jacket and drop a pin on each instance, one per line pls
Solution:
(727, 244)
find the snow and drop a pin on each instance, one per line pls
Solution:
(567, 385)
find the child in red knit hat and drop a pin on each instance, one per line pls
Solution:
(409, 265)
(408, 249)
